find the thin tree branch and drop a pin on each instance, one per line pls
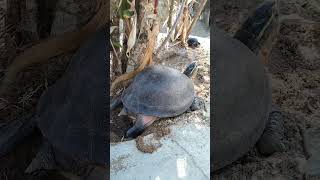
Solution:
(114, 51)
(172, 29)
(170, 14)
(203, 3)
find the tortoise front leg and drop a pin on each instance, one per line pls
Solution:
(271, 139)
(197, 104)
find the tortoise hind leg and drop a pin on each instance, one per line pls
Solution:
(13, 132)
(271, 139)
(95, 173)
(44, 160)
(140, 125)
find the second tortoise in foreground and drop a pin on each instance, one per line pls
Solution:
(73, 124)
(243, 112)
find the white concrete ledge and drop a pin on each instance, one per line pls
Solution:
(184, 154)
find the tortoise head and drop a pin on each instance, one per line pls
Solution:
(191, 69)
(259, 23)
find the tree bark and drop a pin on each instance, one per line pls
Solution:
(170, 14)
(203, 3)
(173, 27)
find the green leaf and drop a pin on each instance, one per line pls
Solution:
(124, 9)
(117, 45)
(127, 14)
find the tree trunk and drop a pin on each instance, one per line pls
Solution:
(172, 28)
(170, 14)
(3, 7)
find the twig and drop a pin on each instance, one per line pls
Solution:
(172, 29)
(155, 11)
(185, 21)
(128, 27)
(170, 14)
(114, 51)
(295, 18)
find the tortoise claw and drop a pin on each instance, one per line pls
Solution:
(134, 132)
(271, 139)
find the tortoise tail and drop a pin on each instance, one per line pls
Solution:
(255, 26)
(11, 134)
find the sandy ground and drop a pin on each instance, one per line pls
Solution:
(294, 71)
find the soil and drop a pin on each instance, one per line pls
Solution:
(294, 71)
(13, 165)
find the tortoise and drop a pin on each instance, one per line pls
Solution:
(72, 118)
(244, 114)
(158, 92)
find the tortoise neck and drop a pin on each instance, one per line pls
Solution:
(190, 69)
(257, 26)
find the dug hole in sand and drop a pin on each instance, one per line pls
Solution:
(172, 148)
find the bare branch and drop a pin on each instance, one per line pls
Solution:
(203, 3)
(173, 27)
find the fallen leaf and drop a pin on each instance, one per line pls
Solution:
(132, 36)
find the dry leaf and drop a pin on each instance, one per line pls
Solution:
(112, 28)
(132, 5)
(133, 35)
